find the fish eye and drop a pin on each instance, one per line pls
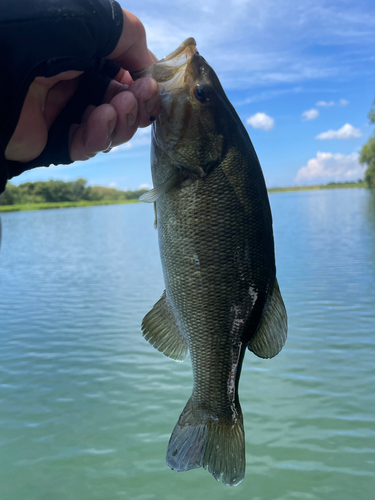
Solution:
(203, 93)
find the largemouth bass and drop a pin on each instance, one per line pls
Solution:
(217, 251)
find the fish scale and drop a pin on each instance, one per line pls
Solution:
(217, 252)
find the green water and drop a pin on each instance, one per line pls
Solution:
(87, 406)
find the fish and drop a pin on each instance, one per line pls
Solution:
(216, 246)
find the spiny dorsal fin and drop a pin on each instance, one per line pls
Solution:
(159, 327)
(157, 191)
(271, 334)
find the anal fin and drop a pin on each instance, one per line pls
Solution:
(271, 334)
(159, 327)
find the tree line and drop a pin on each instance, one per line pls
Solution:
(59, 191)
(368, 153)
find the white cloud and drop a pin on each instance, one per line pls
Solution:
(252, 39)
(145, 186)
(346, 132)
(325, 103)
(336, 167)
(310, 114)
(328, 104)
(261, 120)
(268, 94)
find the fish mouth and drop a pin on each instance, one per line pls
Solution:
(186, 49)
(164, 70)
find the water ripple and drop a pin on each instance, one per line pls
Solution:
(87, 406)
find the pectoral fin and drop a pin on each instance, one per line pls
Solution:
(271, 334)
(157, 191)
(160, 328)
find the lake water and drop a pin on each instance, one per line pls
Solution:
(87, 406)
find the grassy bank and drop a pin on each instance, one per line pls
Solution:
(62, 204)
(331, 185)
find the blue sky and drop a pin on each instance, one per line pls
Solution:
(301, 75)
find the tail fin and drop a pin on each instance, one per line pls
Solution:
(198, 440)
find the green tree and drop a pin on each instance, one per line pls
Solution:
(371, 114)
(368, 156)
(11, 196)
(368, 153)
(59, 191)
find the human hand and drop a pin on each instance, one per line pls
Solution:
(114, 122)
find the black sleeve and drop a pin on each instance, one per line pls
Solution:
(44, 38)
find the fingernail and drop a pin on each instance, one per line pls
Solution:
(123, 88)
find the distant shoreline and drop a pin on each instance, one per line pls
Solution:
(85, 203)
(62, 204)
(331, 185)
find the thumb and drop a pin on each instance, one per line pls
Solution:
(131, 52)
